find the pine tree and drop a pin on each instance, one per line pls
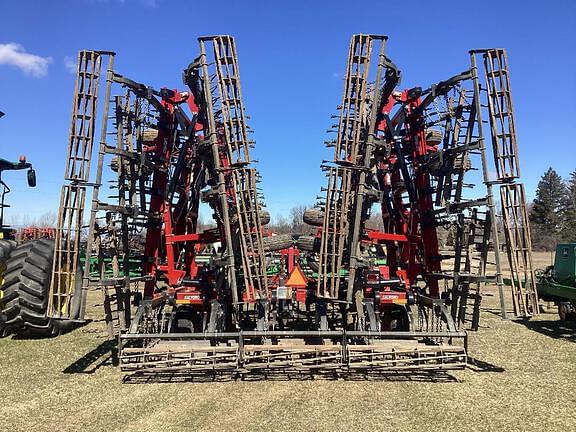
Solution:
(548, 210)
(569, 221)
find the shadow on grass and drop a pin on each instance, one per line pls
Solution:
(100, 356)
(209, 377)
(478, 365)
(494, 311)
(557, 329)
(23, 333)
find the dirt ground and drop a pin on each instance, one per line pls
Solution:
(522, 377)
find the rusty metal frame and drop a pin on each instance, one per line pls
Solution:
(63, 287)
(519, 249)
(227, 131)
(495, 99)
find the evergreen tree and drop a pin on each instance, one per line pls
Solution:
(569, 220)
(548, 210)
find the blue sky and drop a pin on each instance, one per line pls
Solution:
(292, 56)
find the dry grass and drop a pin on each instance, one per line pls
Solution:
(522, 377)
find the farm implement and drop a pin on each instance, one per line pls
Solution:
(237, 297)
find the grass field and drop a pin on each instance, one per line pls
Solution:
(522, 377)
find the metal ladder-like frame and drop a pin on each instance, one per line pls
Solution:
(130, 208)
(471, 226)
(73, 193)
(501, 114)
(496, 100)
(519, 249)
(344, 205)
(228, 135)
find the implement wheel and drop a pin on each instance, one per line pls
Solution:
(566, 311)
(314, 217)
(264, 217)
(308, 243)
(277, 242)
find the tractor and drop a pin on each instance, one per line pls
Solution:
(7, 234)
(557, 283)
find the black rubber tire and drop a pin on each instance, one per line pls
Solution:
(308, 243)
(314, 217)
(26, 286)
(312, 264)
(183, 321)
(566, 311)
(10, 297)
(6, 247)
(264, 217)
(277, 242)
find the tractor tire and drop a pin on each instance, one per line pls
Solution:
(6, 247)
(308, 244)
(26, 288)
(314, 217)
(277, 242)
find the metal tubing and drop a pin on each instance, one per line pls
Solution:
(323, 334)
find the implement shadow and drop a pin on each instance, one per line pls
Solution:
(434, 377)
(477, 365)
(28, 335)
(100, 356)
(557, 329)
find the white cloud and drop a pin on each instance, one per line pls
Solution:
(70, 64)
(14, 55)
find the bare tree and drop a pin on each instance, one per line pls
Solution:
(297, 219)
(281, 225)
(46, 220)
(375, 221)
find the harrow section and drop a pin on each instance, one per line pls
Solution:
(300, 351)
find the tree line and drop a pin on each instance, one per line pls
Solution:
(294, 223)
(553, 212)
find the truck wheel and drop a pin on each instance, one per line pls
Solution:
(26, 287)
